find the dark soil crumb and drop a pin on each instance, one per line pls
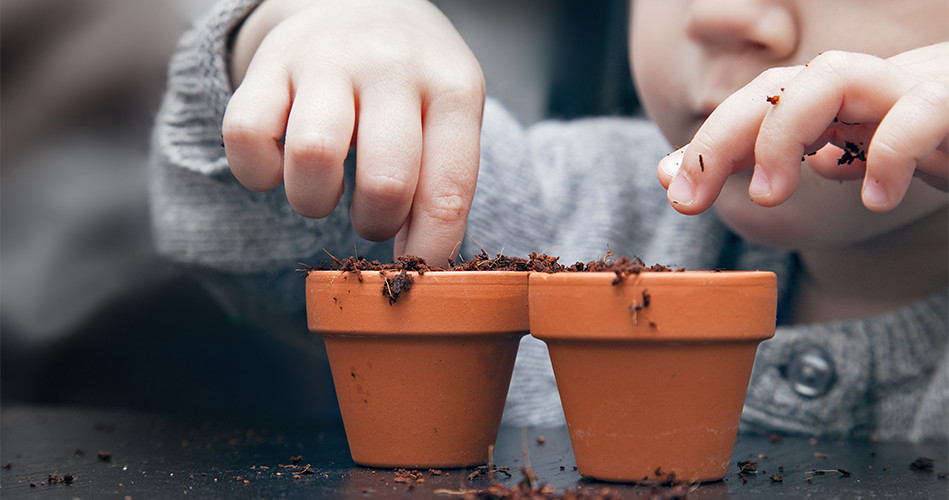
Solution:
(103, 456)
(851, 152)
(294, 471)
(488, 471)
(747, 466)
(410, 477)
(923, 463)
(776, 478)
(821, 472)
(67, 478)
(8, 465)
(622, 266)
(297, 459)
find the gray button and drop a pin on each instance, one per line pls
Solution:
(811, 372)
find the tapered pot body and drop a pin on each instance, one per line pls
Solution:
(653, 370)
(421, 380)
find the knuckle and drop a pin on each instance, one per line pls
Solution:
(240, 129)
(314, 149)
(834, 63)
(831, 58)
(446, 207)
(461, 89)
(889, 146)
(388, 190)
(773, 76)
(706, 139)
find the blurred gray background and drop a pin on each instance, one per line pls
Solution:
(88, 314)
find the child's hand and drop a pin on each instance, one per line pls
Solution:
(889, 121)
(392, 77)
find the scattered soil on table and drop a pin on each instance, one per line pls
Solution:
(67, 478)
(528, 488)
(488, 471)
(409, 477)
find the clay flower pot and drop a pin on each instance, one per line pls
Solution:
(421, 381)
(653, 371)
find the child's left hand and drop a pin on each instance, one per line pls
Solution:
(888, 118)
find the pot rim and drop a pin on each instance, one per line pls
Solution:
(439, 303)
(663, 307)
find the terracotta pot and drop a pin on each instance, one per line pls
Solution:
(421, 382)
(653, 371)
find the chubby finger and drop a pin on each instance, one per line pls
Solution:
(254, 123)
(906, 139)
(319, 132)
(389, 155)
(448, 175)
(723, 145)
(851, 88)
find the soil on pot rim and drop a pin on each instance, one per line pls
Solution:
(397, 280)
(396, 284)
(481, 262)
(535, 262)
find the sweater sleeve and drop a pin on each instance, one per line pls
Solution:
(884, 376)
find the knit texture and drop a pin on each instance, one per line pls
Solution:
(576, 189)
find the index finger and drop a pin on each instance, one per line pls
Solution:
(724, 144)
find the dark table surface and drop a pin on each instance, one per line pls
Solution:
(83, 453)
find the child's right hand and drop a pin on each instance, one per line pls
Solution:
(392, 77)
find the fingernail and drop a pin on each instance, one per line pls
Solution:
(760, 184)
(670, 163)
(681, 191)
(874, 194)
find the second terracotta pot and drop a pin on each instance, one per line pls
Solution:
(421, 381)
(653, 371)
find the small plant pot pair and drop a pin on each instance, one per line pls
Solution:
(652, 369)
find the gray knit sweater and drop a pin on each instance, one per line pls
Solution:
(574, 189)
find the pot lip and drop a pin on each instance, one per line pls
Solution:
(737, 278)
(708, 315)
(439, 303)
(425, 278)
